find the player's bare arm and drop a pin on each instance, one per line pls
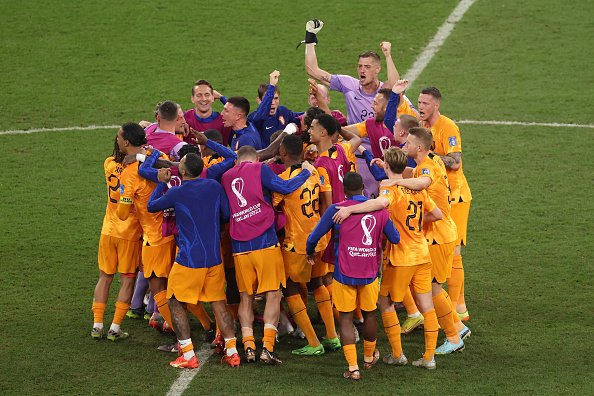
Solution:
(325, 201)
(415, 183)
(393, 75)
(272, 149)
(312, 68)
(435, 215)
(452, 160)
(370, 205)
(352, 138)
(313, 90)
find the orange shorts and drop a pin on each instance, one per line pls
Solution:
(263, 270)
(121, 254)
(395, 280)
(442, 258)
(226, 249)
(320, 268)
(347, 298)
(330, 268)
(158, 260)
(460, 216)
(191, 285)
(299, 270)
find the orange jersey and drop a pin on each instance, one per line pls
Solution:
(210, 161)
(302, 208)
(346, 146)
(134, 189)
(404, 108)
(128, 229)
(406, 212)
(444, 230)
(446, 139)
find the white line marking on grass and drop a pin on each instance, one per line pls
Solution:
(546, 124)
(186, 376)
(436, 42)
(73, 128)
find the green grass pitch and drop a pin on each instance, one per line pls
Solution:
(529, 262)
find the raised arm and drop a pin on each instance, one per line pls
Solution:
(352, 138)
(313, 89)
(311, 65)
(393, 75)
(415, 183)
(392, 108)
(273, 147)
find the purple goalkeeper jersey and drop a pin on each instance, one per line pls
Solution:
(358, 102)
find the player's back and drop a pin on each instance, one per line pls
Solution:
(443, 231)
(302, 208)
(128, 229)
(406, 212)
(136, 190)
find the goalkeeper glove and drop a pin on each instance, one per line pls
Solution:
(312, 27)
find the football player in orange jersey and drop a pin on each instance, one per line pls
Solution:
(119, 248)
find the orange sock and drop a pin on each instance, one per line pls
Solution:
(120, 312)
(334, 310)
(409, 303)
(233, 308)
(322, 296)
(368, 349)
(456, 280)
(232, 343)
(161, 300)
(269, 337)
(247, 338)
(445, 316)
(98, 311)
(299, 313)
(199, 311)
(431, 332)
(303, 293)
(350, 353)
(392, 327)
(454, 315)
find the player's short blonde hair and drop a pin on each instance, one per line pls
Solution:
(396, 158)
(423, 135)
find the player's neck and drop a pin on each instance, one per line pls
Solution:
(203, 115)
(324, 145)
(239, 125)
(167, 127)
(132, 150)
(420, 157)
(291, 162)
(370, 88)
(433, 119)
(393, 176)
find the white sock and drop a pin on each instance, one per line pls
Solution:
(98, 326)
(230, 351)
(115, 327)
(184, 343)
(415, 315)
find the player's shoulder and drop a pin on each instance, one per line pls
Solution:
(446, 123)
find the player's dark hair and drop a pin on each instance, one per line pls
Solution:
(327, 122)
(294, 145)
(133, 133)
(168, 110)
(371, 54)
(396, 159)
(408, 121)
(187, 149)
(385, 92)
(308, 117)
(246, 152)
(240, 102)
(214, 135)
(117, 154)
(423, 135)
(275, 135)
(202, 82)
(352, 181)
(194, 164)
(433, 92)
(262, 88)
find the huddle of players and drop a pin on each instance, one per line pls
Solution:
(330, 227)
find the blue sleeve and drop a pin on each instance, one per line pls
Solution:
(223, 100)
(225, 211)
(158, 202)
(261, 114)
(391, 232)
(392, 111)
(275, 183)
(223, 151)
(378, 173)
(216, 171)
(146, 170)
(321, 229)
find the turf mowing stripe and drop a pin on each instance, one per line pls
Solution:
(74, 128)
(186, 376)
(551, 124)
(442, 34)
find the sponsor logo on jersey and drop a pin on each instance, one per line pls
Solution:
(453, 141)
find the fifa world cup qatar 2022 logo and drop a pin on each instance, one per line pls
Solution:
(237, 188)
(368, 224)
(384, 143)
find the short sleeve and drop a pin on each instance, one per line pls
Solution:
(450, 137)
(362, 128)
(342, 83)
(389, 194)
(325, 184)
(128, 185)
